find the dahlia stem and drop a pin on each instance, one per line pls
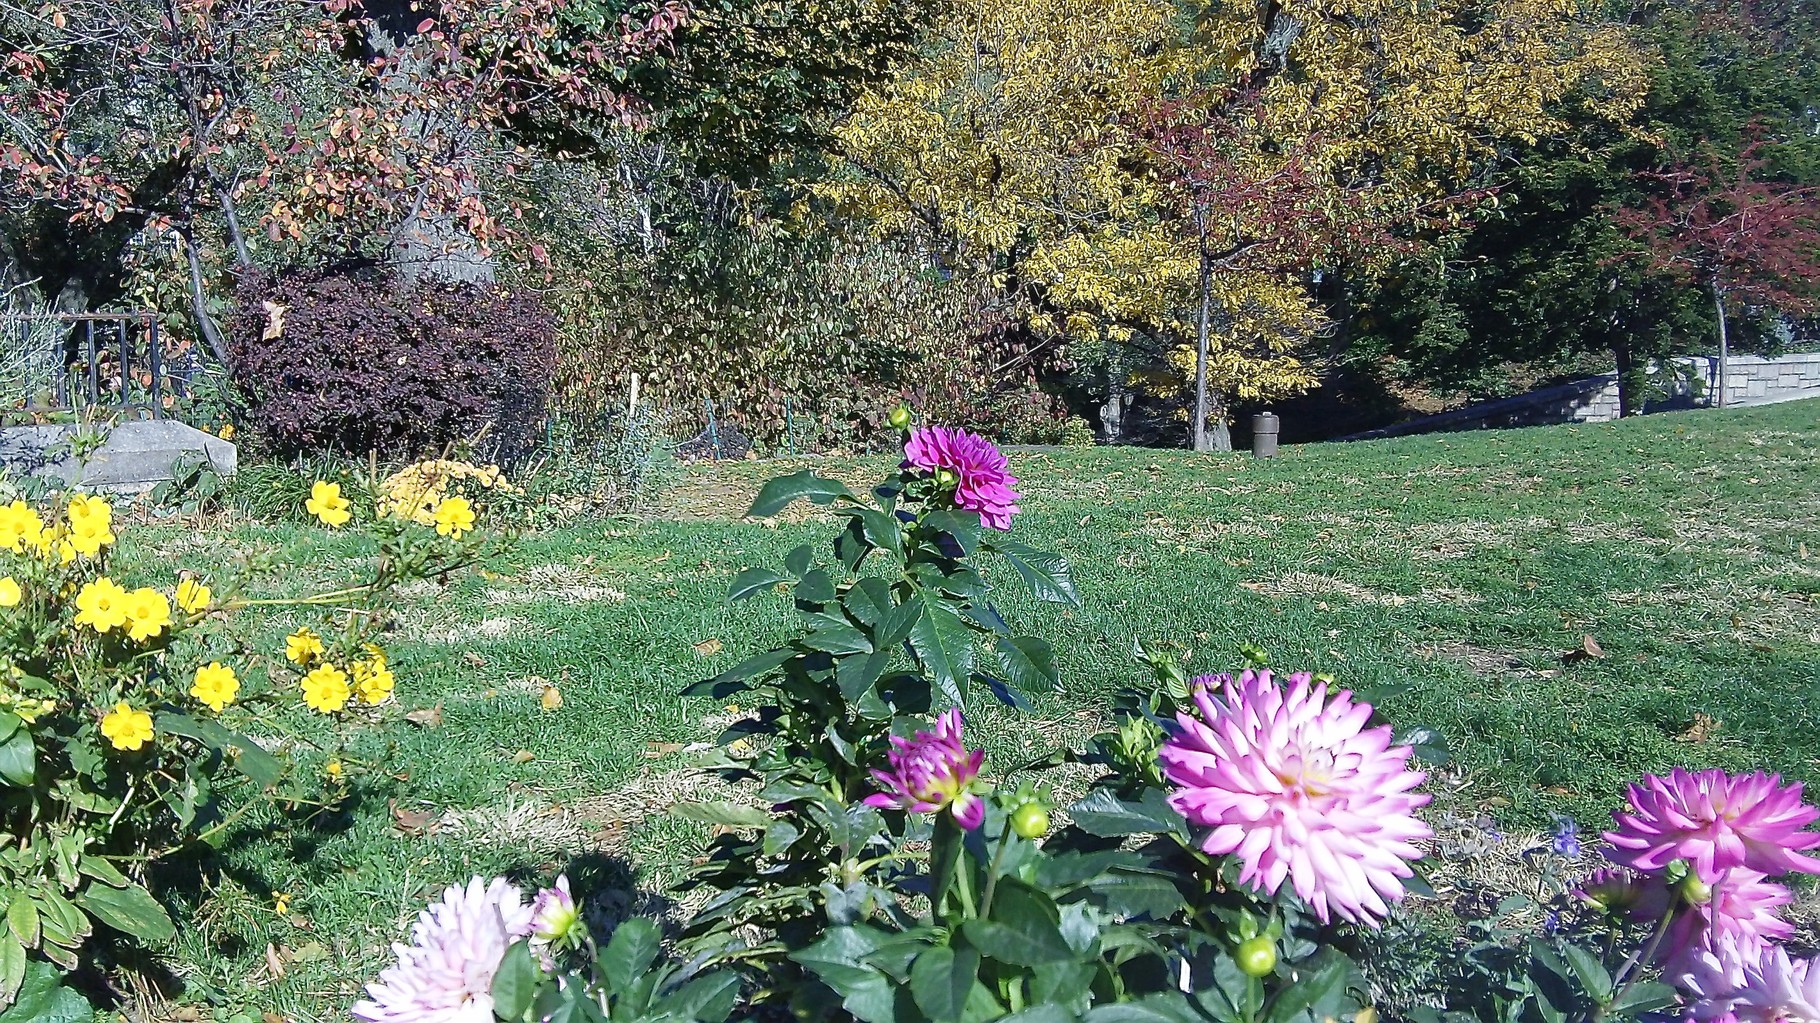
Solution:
(1627, 974)
(998, 860)
(944, 857)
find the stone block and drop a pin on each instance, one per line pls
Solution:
(132, 458)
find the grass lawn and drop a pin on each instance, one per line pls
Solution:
(1445, 575)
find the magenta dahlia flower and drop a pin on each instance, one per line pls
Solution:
(931, 772)
(1778, 989)
(446, 974)
(1715, 821)
(1742, 914)
(1296, 787)
(983, 478)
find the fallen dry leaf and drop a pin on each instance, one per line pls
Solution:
(1701, 730)
(412, 822)
(708, 647)
(551, 698)
(426, 717)
(656, 749)
(523, 756)
(274, 963)
(473, 659)
(1588, 650)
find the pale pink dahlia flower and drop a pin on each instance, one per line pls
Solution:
(983, 478)
(1709, 985)
(1742, 915)
(1296, 787)
(446, 974)
(1715, 822)
(1778, 989)
(931, 772)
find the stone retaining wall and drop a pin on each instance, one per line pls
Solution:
(1749, 380)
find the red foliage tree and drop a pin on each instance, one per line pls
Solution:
(1734, 234)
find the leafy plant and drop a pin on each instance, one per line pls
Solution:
(128, 716)
(358, 363)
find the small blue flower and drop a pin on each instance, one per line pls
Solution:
(1551, 923)
(1567, 838)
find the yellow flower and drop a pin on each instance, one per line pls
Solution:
(88, 536)
(326, 689)
(333, 770)
(28, 709)
(9, 592)
(126, 728)
(193, 596)
(454, 516)
(227, 431)
(281, 903)
(87, 509)
(373, 680)
(215, 686)
(327, 504)
(147, 612)
(101, 604)
(303, 646)
(20, 526)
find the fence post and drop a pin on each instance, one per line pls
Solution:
(790, 426)
(713, 430)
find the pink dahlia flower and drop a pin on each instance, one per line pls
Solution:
(1709, 986)
(931, 772)
(983, 479)
(1778, 989)
(1716, 822)
(446, 974)
(554, 916)
(1296, 787)
(1741, 916)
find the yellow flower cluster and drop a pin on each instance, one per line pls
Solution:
(103, 605)
(88, 527)
(327, 688)
(127, 728)
(419, 492)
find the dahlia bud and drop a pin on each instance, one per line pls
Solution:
(946, 479)
(555, 917)
(900, 418)
(1695, 891)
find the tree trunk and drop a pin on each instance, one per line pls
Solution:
(1630, 378)
(1112, 414)
(199, 302)
(1724, 346)
(1198, 434)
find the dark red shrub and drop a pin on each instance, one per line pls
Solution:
(358, 361)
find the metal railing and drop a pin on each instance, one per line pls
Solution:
(71, 362)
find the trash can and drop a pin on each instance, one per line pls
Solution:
(1264, 429)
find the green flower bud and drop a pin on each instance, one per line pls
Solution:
(900, 418)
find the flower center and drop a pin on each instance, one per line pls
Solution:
(1306, 772)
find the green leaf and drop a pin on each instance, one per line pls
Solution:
(42, 998)
(515, 984)
(1030, 946)
(1134, 893)
(1594, 978)
(22, 919)
(944, 645)
(12, 967)
(1648, 996)
(898, 623)
(784, 491)
(718, 687)
(1029, 663)
(730, 815)
(799, 561)
(754, 581)
(709, 998)
(838, 960)
(130, 910)
(1047, 1013)
(869, 601)
(856, 674)
(1046, 574)
(965, 529)
(817, 587)
(18, 756)
(1103, 814)
(1319, 990)
(260, 767)
(630, 953)
(881, 530)
(941, 978)
(838, 640)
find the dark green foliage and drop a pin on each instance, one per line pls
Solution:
(1551, 284)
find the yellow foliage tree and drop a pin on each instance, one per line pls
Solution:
(1021, 138)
